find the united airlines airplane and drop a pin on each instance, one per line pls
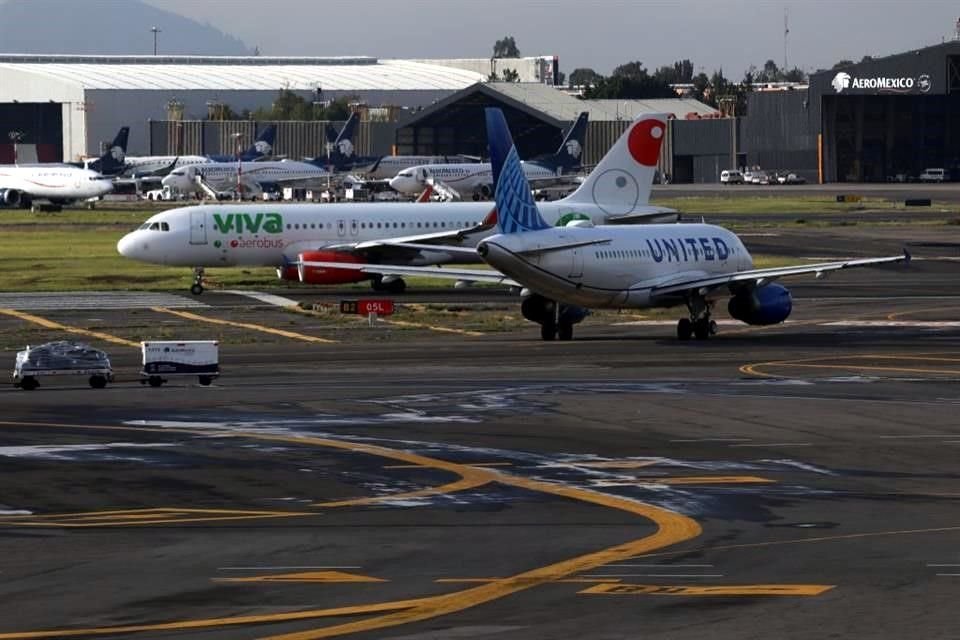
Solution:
(570, 269)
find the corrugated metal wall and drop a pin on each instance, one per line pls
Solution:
(780, 133)
(295, 139)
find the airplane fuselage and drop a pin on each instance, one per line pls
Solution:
(57, 183)
(267, 235)
(622, 262)
(224, 175)
(465, 178)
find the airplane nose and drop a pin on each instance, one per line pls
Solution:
(127, 246)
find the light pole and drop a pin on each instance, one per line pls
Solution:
(155, 31)
(237, 137)
(15, 138)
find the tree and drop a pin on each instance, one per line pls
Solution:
(506, 47)
(633, 70)
(291, 106)
(680, 72)
(795, 75)
(511, 75)
(771, 73)
(583, 77)
(630, 81)
(843, 63)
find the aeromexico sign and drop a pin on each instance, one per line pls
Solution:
(844, 81)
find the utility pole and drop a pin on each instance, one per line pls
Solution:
(786, 32)
(155, 31)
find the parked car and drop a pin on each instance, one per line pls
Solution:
(790, 178)
(731, 176)
(759, 177)
(933, 175)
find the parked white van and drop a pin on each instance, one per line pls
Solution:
(933, 175)
(731, 176)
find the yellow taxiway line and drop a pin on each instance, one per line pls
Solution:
(293, 335)
(417, 325)
(671, 528)
(818, 363)
(50, 324)
(708, 590)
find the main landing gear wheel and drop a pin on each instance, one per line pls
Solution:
(684, 329)
(197, 287)
(548, 331)
(565, 331)
(699, 324)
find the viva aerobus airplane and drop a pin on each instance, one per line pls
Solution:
(570, 269)
(292, 237)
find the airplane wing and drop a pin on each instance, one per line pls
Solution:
(759, 277)
(650, 215)
(450, 273)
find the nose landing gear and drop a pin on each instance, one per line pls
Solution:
(197, 287)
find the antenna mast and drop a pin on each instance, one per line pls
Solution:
(786, 32)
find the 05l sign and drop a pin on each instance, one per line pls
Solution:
(381, 307)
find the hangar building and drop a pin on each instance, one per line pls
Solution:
(65, 107)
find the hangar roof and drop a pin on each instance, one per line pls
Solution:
(551, 103)
(241, 73)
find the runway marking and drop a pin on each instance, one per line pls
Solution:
(657, 575)
(488, 580)
(754, 368)
(619, 464)
(772, 444)
(418, 325)
(275, 568)
(719, 590)
(659, 566)
(911, 312)
(701, 480)
(915, 324)
(50, 324)
(136, 517)
(471, 464)
(307, 576)
(244, 325)
(267, 298)
(670, 528)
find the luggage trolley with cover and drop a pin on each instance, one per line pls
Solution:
(62, 358)
(164, 359)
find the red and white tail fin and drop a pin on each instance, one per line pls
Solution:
(621, 183)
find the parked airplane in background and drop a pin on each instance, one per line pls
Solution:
(22, 186)
(112, 162)
(159, 166)
(290, 237)
(247, 178)
(580, 266)
(476, 179)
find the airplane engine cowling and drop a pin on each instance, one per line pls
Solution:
(289, 272)
(536, 308)
(9, 197)
(324, 275)
(770, 304)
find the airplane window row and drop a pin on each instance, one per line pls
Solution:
(620, 254)
(382, 225)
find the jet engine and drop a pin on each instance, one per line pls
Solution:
(9, 197)
(325, 275)
(536, 308)
(770, 304)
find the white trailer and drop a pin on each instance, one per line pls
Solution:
(163, 359)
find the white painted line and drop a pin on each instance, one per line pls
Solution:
(926, 435)
(268, 298)
(775, 444)
(919, 324)
(611, 576)
(713, 440)
(673, 323)
(283, 568)
(931, 564)
(951, 575)
(658, 566)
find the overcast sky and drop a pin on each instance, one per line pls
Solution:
(732, 34)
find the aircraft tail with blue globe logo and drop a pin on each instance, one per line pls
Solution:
(516, 210)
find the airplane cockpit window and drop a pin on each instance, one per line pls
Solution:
(145, 225)
(155, 226)
(164, 226)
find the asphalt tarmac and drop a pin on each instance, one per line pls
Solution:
(341, 480)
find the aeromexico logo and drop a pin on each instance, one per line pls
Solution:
(904, 84)
(248, 223)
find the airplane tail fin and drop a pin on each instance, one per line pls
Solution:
(112, 162)
(516, 210)
(621, 182)
(341, 154)
(262, 146)
(568, 158)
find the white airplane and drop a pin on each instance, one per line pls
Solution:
(159, 166)
(20, 186)
(581, 266)
(247, 177)
(289, 236)
(476, 179)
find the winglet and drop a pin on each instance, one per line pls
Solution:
(517, 212)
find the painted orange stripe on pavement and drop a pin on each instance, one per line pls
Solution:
(50, 324)
(717, 590)
(245, 325)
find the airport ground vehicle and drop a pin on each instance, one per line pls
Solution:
(163, 359)
(933, 175)
(61, 359)
(731, 176)
(790, 178)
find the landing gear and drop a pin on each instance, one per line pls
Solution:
(565, 331)
(548, 331)
(98, 382)
(197, 287)
(699, 323)
(390, 285)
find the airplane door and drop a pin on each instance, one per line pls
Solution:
(354, 227)
(341, 228)
(198, 227)
(576, 263)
